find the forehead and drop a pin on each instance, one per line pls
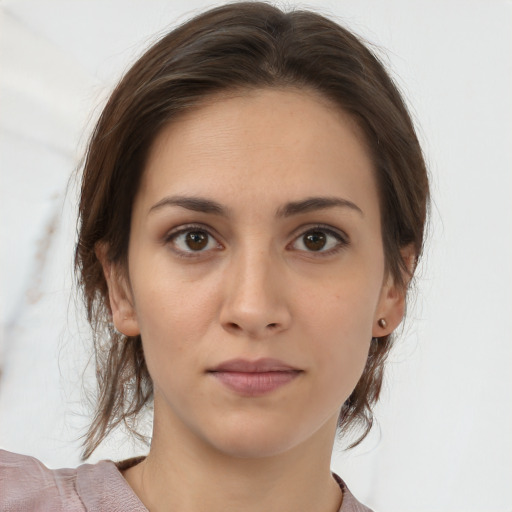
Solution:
(265, 143)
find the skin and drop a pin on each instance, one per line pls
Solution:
(255, 290)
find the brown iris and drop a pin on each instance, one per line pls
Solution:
(315, 240)
(196, 240)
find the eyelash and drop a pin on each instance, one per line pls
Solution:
(173, 235)
(341, 239)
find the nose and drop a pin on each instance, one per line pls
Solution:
(255, 301)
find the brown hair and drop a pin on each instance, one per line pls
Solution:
(236, 46)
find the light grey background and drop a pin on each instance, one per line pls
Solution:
(444, 441)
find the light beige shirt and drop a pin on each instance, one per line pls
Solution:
(28, 485)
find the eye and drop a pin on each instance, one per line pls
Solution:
(319, 239)
(192, 240)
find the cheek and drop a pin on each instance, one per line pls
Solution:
(342, 309)
(340, 323)
(344, 345)
(174, 315)
(166, 299)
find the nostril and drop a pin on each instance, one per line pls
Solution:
(272, 326)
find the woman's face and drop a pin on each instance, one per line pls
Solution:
(256, 271)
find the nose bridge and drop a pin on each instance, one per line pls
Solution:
(254, 268)
(255, 301)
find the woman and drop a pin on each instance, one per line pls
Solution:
(252, 211)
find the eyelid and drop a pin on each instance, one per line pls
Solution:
(341, 236)
(337, 232)
(184, 228)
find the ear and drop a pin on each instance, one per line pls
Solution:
(120, 295)
(391, 306)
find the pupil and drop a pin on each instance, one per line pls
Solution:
(315, 240)
(196, 240)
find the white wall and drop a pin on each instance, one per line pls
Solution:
(445, 436)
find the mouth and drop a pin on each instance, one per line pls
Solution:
(254, 378)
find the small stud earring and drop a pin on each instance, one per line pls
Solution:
(382, 323)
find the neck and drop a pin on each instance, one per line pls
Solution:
(192, 476)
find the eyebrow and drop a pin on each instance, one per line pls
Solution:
(196, 204)
(203, 205)
(316, 203)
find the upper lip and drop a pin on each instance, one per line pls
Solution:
(257, 366)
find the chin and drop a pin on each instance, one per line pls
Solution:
(251, 445)
(253, 437)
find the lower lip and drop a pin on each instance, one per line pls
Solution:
(255, 383)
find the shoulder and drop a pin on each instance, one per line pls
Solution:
(27, 484)
(349, 503)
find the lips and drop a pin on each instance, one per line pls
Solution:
(254, 378)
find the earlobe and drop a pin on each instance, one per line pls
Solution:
(391, 308)
(390, 311)
(124, 316)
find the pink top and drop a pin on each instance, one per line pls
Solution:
(27, 485)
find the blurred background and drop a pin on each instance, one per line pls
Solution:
(444, 436)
